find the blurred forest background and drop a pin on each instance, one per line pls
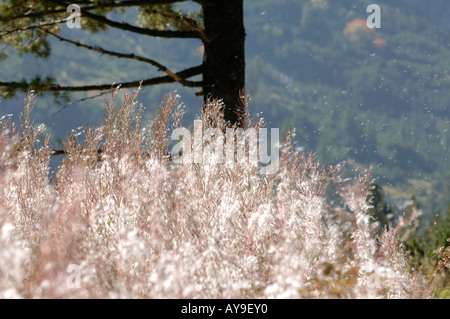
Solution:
(370, 97)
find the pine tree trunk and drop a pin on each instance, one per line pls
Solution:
(224, 55)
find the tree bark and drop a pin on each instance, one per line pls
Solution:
(224, 55)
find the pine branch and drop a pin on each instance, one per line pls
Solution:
(128, 27)
(55, 152)
(161, 67)
(113, 4)
(101, 19)
(152, 81)
(35, 26)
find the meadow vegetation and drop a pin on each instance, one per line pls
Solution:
(140, 226)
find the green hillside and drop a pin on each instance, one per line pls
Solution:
(375, 98)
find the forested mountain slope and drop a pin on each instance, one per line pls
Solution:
(371, 97)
